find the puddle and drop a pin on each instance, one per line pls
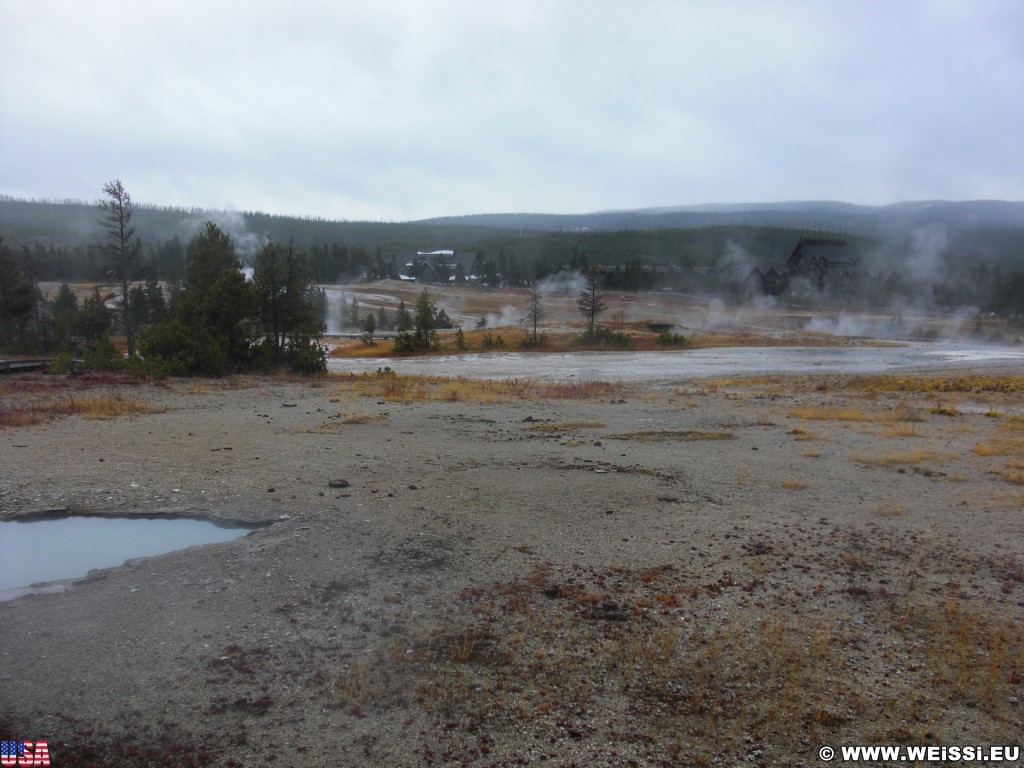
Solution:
(46, 555)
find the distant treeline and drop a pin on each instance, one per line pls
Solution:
(969, 261)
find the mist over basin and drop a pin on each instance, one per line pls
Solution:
(679, 365)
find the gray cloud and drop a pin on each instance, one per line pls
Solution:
(402, 109)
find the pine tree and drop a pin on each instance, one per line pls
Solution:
(534, 314)
(425, 320)
(121, 252)
(369, 326)
(590, 302)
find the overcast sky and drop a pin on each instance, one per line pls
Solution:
(406, 109)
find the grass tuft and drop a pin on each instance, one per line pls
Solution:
(662, 435)
(87, 406)
(563, 426)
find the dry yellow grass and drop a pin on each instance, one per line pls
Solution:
(1000, 447)
(802, 434)
(364, 418)
(658, 435)
(890, 458)
(942, 409)
(833, 413)
(387, 385)
(966, 383)
(1012, 474)
(889, 509)
(87, 406)
(794, 484)
(904, 430)
(563, 426)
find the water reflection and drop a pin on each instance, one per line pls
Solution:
(37, 552)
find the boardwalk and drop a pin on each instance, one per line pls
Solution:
(21, 366)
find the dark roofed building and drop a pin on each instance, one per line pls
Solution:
(815, 257)
(439, 266)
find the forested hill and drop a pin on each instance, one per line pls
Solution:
(71, 224)
(75, 223)
(871, 221)
(62, 236)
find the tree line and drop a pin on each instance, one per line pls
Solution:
(215, 320)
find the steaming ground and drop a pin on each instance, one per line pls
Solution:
(506, 308)
(510, 578)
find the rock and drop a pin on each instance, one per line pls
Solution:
(338, 483)
(609, 611)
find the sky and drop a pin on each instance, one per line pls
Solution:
(398, 110)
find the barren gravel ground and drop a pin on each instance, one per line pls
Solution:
(715, 573)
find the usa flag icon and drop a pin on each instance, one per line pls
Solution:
(16, 752)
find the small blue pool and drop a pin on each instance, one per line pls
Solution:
(39, 551)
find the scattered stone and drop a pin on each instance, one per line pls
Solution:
(271, 490)
(289, 405)
(413, 487)
(338, 483)
(597, 443)
(609, 611)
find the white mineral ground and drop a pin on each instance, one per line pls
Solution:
(462, 598)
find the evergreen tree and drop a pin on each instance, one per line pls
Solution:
(403, 320)
(17, 302)
(590, 302)
(94, 324)
(369, 326)
(63, 312)
(93, 319)
(210, 328)
(534, 314)
(424, 320)
(283, 284)
(121, 252)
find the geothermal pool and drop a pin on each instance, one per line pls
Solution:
(683, 365)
